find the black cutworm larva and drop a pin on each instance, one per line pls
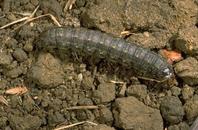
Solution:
(101, 45)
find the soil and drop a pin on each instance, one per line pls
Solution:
(65, 89)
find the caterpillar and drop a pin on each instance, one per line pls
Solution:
(102, 45)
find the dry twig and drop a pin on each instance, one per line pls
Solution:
(123, 90)
(116, 82)
(125, 33)
(31, 18)
(20, 20)
(69, 5)
(83, 107)
(47, 15)
(75, 124)
(3, 100)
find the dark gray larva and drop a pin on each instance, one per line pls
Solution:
(147, 63)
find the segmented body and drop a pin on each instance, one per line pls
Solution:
(101, 45)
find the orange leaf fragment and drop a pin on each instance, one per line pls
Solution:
(3, 100)
(17, 90)
(171, 56)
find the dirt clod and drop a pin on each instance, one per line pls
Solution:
(15, 72)
(100, 127)
(47, 71)
(180, 126)
(3, 121)
(105, 93)
(20, 55)
(187, 40)
(191, 108)
(169, 112)
(5, 58)
(24, 122)
(55, 117)
(138, 91)
(187, 70)
(187, 92)
(105, 116)
(130, 113)
(51, 6)
(176, 91)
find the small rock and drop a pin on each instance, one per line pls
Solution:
(191, 108)
(154, 39)
(35, 2)
(51, 6)
(106, 116)
(87, 82)
(47, 71)
(100, 127)
(5, 58)
(187, 70)
(106, 15)
(187, 40)
(3, 121)
(28, 103)
(3, 84)
(104, 93)
(180, 126)
(80, 3)
(20, 55)
(129, 113)
(141, 17)
(85, 115)
(138, 91)
(187, 92)
(28, 47)
(55, 117)
(15, 72)
(6, 6)
(171, 113)
(85, 102)
(194, 125)
(27, 122)
(176, 91)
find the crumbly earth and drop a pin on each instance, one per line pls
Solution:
(68, 89)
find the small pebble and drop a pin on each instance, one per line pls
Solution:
(20, 55)
(187, 92)
(28, 47)
(5, 58)
(176, 91)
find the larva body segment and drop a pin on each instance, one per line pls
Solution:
(101, 45)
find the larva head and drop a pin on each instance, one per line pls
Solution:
(47, 38)
(167, 72)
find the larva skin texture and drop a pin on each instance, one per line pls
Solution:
(101, 45)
